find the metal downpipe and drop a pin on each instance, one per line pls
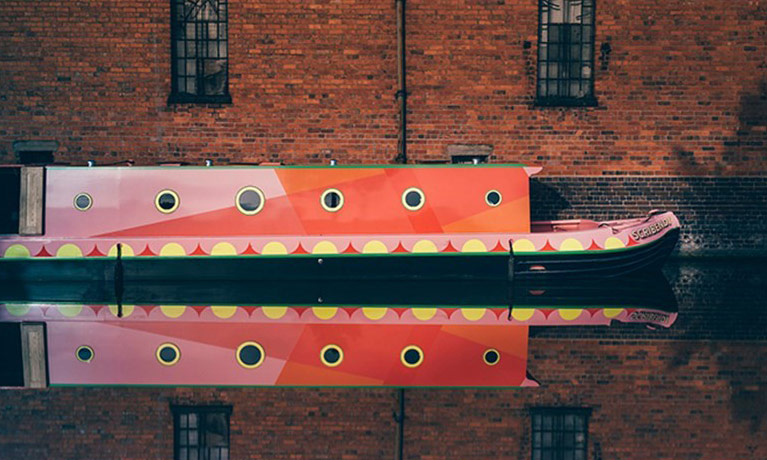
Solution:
(401, 94)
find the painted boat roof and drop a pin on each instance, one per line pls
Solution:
(349, 166)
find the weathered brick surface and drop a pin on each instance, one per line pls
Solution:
(717, 214)
(682, 89)
(650, 399)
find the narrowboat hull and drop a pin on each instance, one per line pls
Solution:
(311, 224)
(542, 259)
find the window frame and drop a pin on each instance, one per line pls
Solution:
(558, 450)
(590, 99)
(177, 97)
(200, 411)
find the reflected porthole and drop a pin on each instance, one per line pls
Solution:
(493, 198)
(168, 354)
(250, 200)
(491, 357)
(331, 355)
(332, 200)
(83, 201)
(84, 354)
(411, 356)
(166, 201)
(250, 355)
(413, 199)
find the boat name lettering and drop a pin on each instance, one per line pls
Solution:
(651, 230)
(649, 317)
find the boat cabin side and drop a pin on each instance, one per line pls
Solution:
(93, 202)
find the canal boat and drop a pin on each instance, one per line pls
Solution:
(309, 223)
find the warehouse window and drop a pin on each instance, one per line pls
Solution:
(201, 432)
(560, 433)
(199, 54)
(566, 53)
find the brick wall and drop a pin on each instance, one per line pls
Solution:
(719, 215)
(649, 399)
(682, 89)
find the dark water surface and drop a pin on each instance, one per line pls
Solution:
(717, 298)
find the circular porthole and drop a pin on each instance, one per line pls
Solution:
(166, 201)
(491, 357)
(250, 355)
(411, 356)
(168, 354)
(83, 201)
(84, 354)
(250, 200)
(331, 355)
(493, 198)
(413, 199)
(332, 200)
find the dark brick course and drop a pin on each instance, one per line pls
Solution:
(718, 214)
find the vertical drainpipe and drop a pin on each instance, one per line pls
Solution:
(399, 417)
(401, 94)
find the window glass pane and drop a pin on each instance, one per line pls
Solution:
(575, 70)
(575, 52)
(554, 52)
(224, 454)
(193, 454)
(576, 89)
(222, 49)
(569, 455)
(554, 33)
(217, 429)
(183, 418)
(193, 438)
(547, 440)
(553, 70)
(546, 455)
(182, 453)
(212, 49)
(180, 49)
(552, 88)
(542, 87)
(580, 455)
(556, 12)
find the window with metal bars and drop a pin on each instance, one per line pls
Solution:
(200, 51)
(201, 432)
(565, 53)
(560, 433)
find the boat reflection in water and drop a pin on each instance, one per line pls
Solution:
(406, 333)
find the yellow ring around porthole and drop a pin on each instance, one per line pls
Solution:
(487, 198)
(166, 346)
(409, 348)
(419, 205)
(168, 192)
(84, 347)
(260, 196)
(331, 347)
(340, 200)
(488, 351)
(83, 194)
(244, 364)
